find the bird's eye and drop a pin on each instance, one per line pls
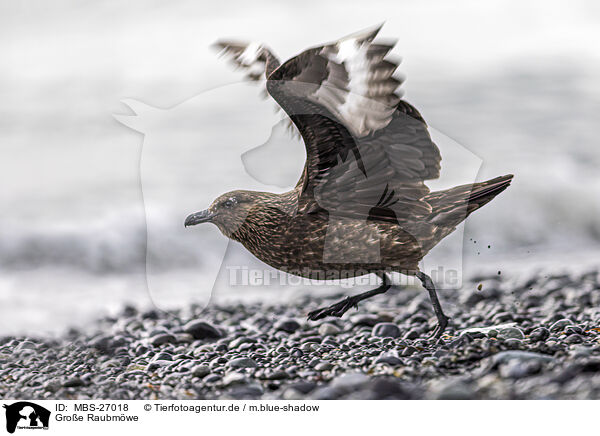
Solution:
(229, 202)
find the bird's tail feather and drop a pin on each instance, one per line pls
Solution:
(485, 192)
(452, 206)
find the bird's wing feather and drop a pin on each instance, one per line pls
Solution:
(395, 163)
(368, 151)
(351, 79)
(257, 60)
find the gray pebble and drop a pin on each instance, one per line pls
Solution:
(238, 342)
(202, 330)
(287, 325)
(323, 366)
(412, 335)
(242, 362)
(408, 351)
(539, 334)
(73, 382)
(389, 359)
(386, 330)
(327, 329)
(200, 370)
(163, 338)
(574, 339)
(212, 378)
(234, 378)
(510, 333)
(162, 357)
(573, 329)
(364, 319)
(560, 325)
(276, 375)
(513, 344)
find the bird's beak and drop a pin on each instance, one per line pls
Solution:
(204, 216)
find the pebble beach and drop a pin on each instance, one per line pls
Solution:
(529, 337)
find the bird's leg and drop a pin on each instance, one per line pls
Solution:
(341, 307)
(437, 307)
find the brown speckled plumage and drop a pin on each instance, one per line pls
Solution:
(361, 205)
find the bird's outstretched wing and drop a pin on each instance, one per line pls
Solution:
(368, 151)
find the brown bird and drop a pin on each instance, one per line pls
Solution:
(361, 205)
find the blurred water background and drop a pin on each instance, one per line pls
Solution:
(513, 82)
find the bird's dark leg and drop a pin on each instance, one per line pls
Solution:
(437, 307)
(338, 309)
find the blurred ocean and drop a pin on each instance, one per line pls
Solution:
(513, 84)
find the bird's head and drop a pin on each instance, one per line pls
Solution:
(228, 212)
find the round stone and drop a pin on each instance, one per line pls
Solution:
(510, 333)
(287, 325)
(242, 362)
(202, 330)
(200, 371)
(73, 382)
(163, 338)
(409, 351)
(389, 359)
(327, 329)
(386, 330)
(560, 325)
(539, 334)
(574, 339)
(324, 366)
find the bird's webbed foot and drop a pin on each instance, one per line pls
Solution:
(439, 329)
(337, 309)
